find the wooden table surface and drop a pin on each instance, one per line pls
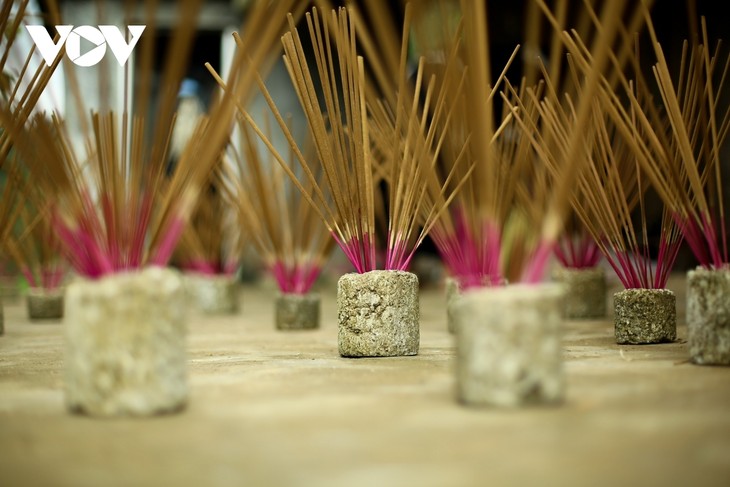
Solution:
(282, 408)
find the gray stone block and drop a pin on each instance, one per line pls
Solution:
(708, 316)
(125, 344)
(297, 311)
(451, 288)
(508, 346)
(377, 314)
(44, 304)
(644, 316)
(585, 292)
(213, 294)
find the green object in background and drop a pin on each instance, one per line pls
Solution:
(22, 284)
(436, 23)
(12, 282)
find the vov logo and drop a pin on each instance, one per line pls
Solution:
(71, 36)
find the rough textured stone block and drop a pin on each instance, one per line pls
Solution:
(708, 316)
(213, 294)
(643, 316)
(377, 314)
(585, 292)
(508, 346)
(297, 311)
(45, 304)
(451, 288)
(125, 344)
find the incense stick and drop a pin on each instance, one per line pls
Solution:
(115, 207)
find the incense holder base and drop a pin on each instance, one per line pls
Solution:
(585, 292)
(644, 316)
(377, 314)
(214, 294)
(297, 311)
(43, 304)
(125, 344)
(508, 346)
(452, 291)
(708, 316)
(9, 289)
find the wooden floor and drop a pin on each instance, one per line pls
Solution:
(282, 408)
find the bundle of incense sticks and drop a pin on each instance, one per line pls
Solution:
(617, 184)
(569, 147)
(213, 241)
(570, 144)
(691, 181)
(21, 87)
(117, 206)
(611, 196)
(505, 227)
(351, 131)
(577, 248)
(285, 230)
(467, 237)
(10, 203)
(676, 144)
(35, 248)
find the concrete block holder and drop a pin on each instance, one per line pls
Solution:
(45, 304)
(645, 316)
(215, 294)
(585, 292)
(452, 291)
(297, 311)
(508, 346)
(125, 344)
(378, 314)
(708, 315)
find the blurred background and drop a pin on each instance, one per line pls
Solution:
(218, 19)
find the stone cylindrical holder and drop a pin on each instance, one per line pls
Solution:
(508, 346)
(297, 311)
(452, 291)
(215, 294)
(45, 304)
(644, 316)
(708, 316)
(585, 292)
(125, 344)
(377, 314)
